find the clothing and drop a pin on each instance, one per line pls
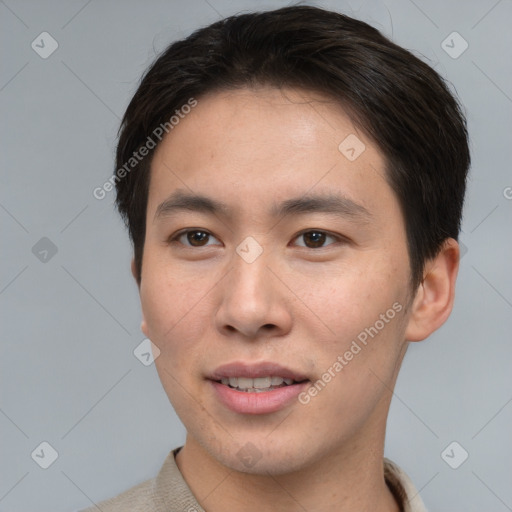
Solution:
(169, 492)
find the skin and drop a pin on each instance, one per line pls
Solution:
(296, 304)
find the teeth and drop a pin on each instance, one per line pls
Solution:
(261, 382)
(243, 383)
(246, 383)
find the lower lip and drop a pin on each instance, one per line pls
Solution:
(263, 402)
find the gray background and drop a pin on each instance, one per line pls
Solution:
(70, 322)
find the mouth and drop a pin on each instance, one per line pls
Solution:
(257, 388)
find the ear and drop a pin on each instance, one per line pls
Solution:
(143, 325)
(433, 302)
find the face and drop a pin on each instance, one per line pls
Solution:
(274, 257)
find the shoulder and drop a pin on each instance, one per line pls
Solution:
(167, 492)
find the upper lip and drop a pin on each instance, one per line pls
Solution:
(255, 370)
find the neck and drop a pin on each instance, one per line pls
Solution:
(341, 481)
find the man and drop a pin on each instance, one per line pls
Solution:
(293, 185)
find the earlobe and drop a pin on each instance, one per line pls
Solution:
(433, 302)
(134, 272)
(143, 324)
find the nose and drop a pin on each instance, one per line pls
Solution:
(254, 301)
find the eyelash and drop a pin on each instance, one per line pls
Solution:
(177, 236)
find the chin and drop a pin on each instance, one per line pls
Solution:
(260, 457)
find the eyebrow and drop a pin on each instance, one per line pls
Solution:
(324, 203)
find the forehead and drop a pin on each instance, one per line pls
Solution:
(248, 147)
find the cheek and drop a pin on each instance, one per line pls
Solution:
(173, 308)
(353, 298)
(175, 312)
(362, 312)
(356, 364)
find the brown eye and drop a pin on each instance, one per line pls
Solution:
(194, 238)
(197, 238)
(314, 239)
